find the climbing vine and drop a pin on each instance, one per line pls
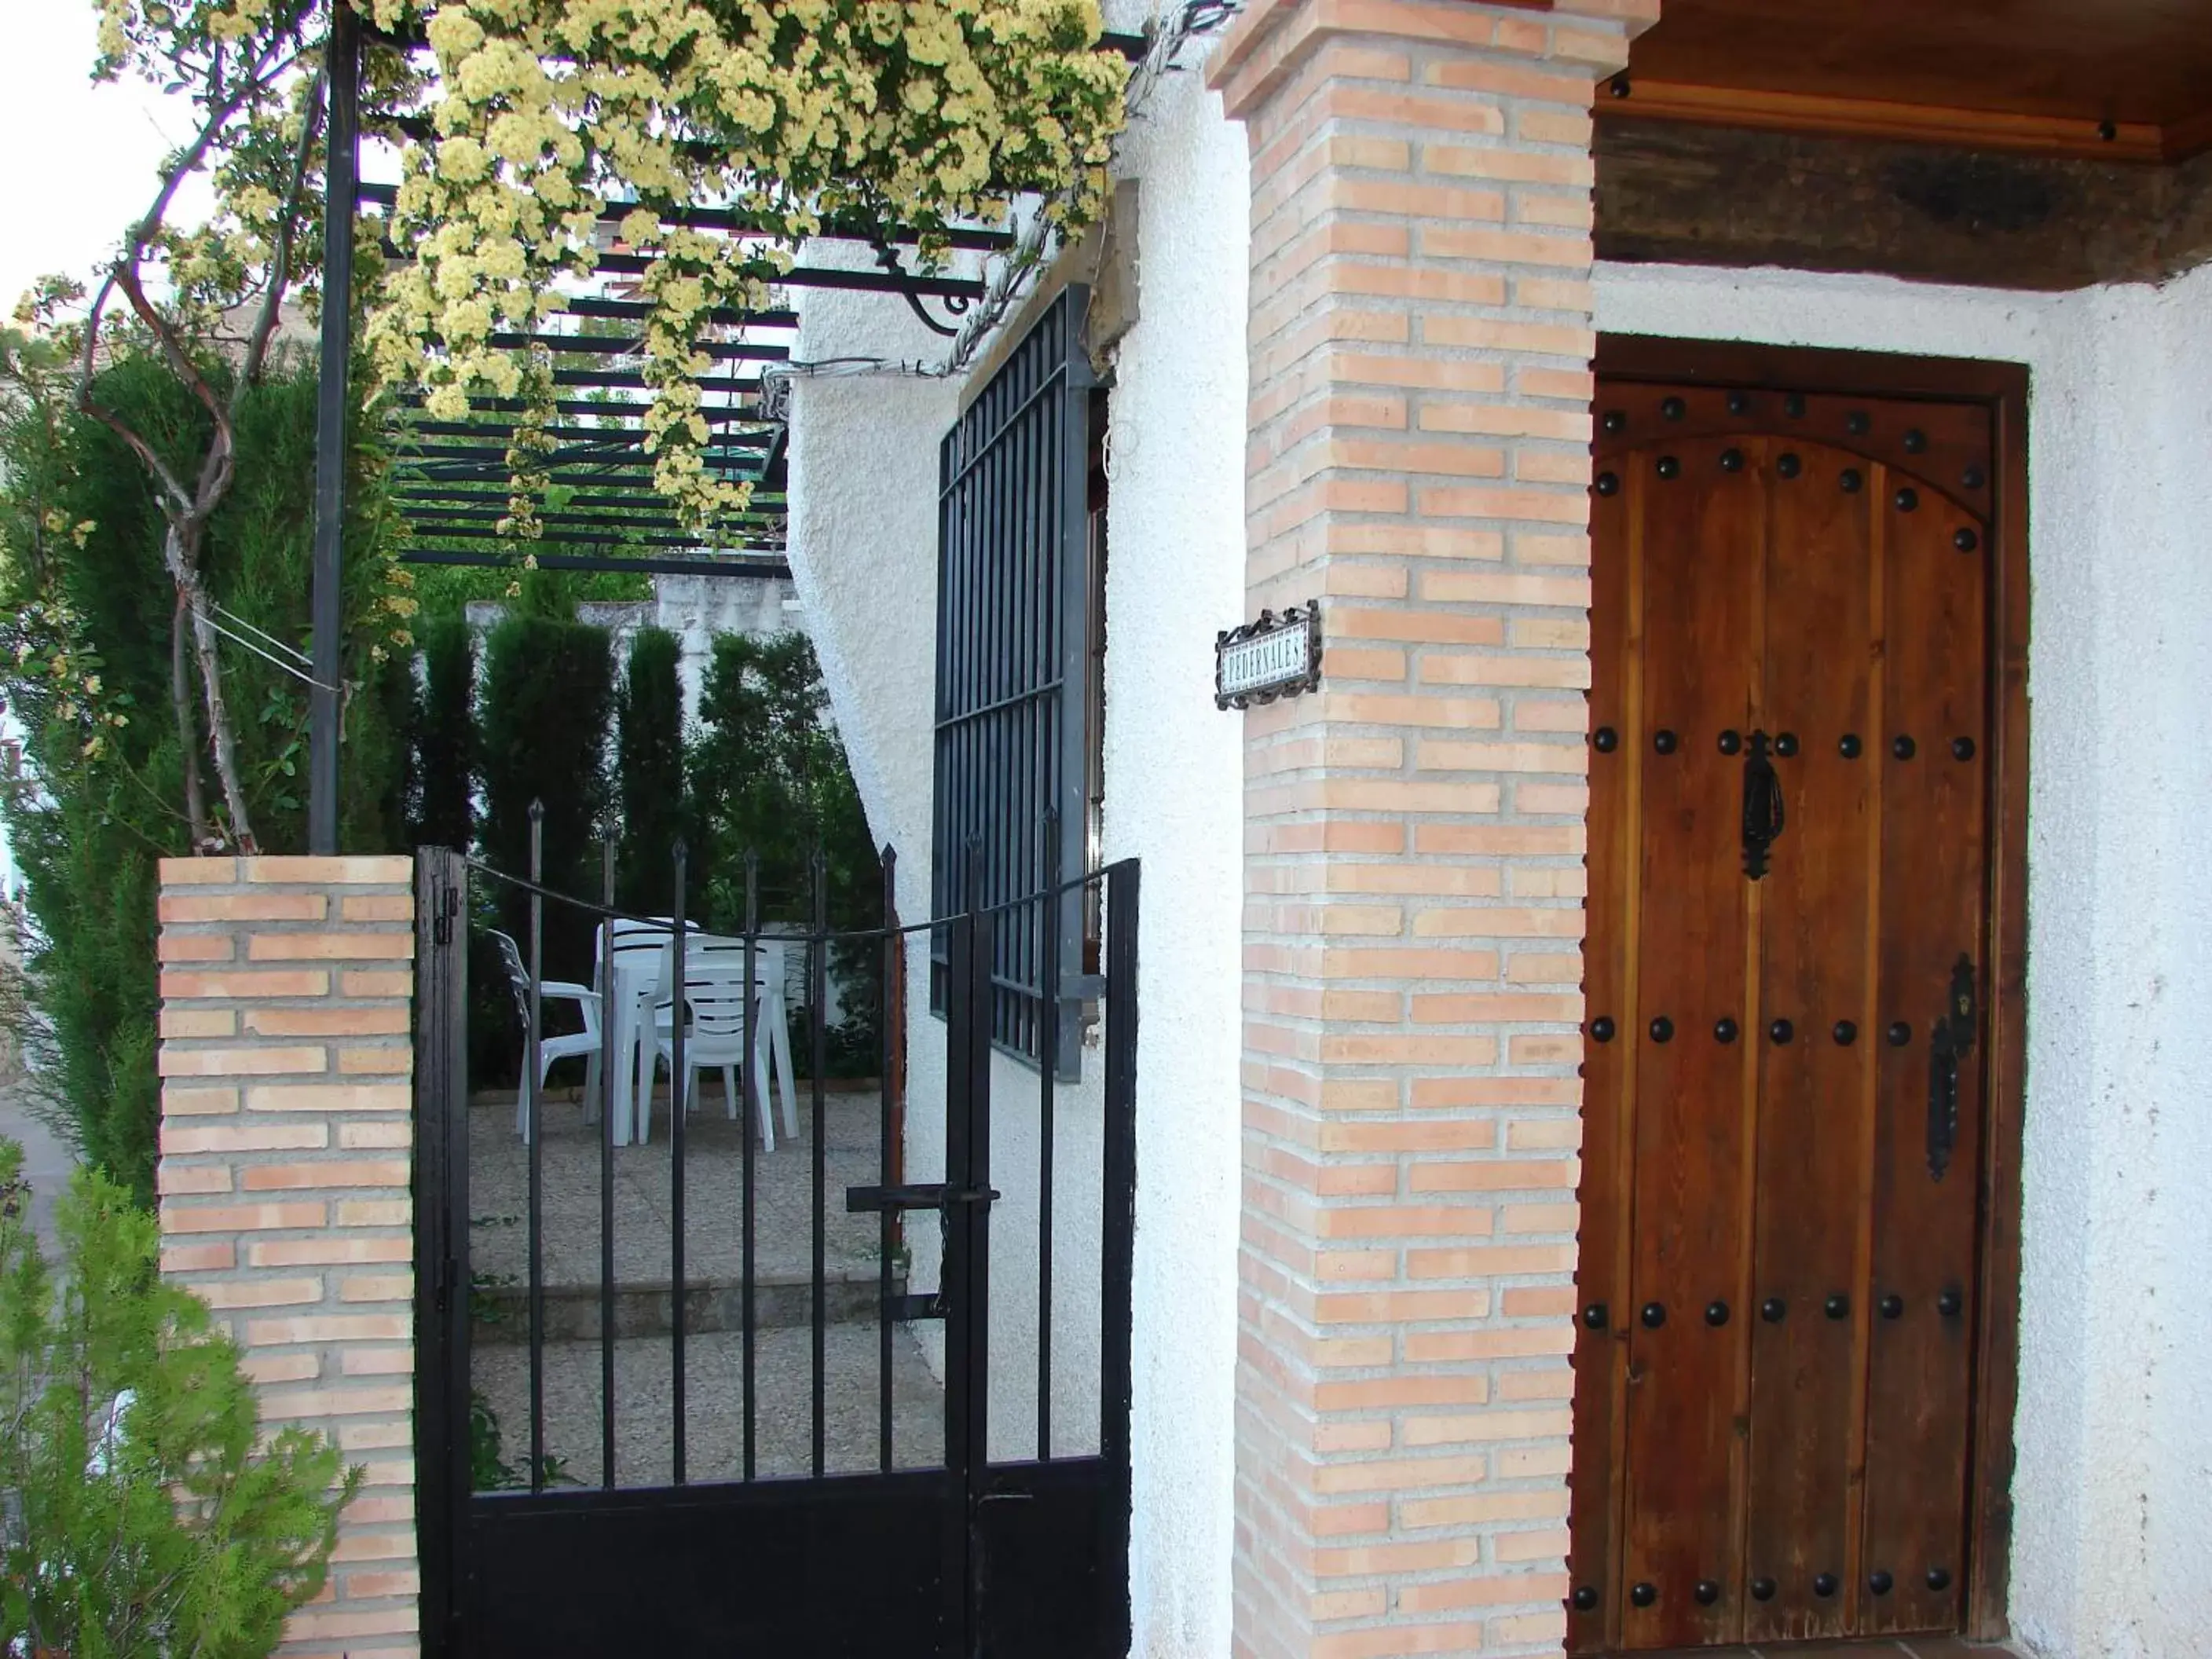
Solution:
(780, 120)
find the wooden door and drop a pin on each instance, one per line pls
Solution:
(1790, 862)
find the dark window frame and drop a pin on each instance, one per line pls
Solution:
(1016, 724)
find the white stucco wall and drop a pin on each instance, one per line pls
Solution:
(2113, 1501)
(863, 548)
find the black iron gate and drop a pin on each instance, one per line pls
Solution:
(737, 1499)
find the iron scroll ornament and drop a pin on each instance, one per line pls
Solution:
(1763, 817)
(1949, 1039)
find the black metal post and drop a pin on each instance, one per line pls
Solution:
(756, 1100)
(817, 1063)
(679, 1005)
(342, 66)
(1120, 1232)
(534, 1122)
(1048, 1072)
(889, 1218)
(607, 1061)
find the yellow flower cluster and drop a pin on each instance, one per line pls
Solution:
(51, 640)
(867, 113)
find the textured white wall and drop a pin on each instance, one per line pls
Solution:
(1174, 798)
(2114, 1505)
(863, 541)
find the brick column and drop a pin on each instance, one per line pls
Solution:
(286, 1203)
(1421, 341)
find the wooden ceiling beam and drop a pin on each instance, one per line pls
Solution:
(1729, 196)
(1638, 97)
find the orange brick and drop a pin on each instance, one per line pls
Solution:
(198, 1021)
(367, 1585)
(1481, 1592)
(389, 870)
(375, 1136)
(329, 1097)
(242, 906)
(261, 1292)
(327, 1173)
(400, 1362)
(245, 984)
(327, 1252)
(179, 1100)
(391, 1058)
(329, 1328)
(388, 1021)
(240, 1062)
(376, 982)
(179, 1139)
(364, 944)
(172, 1177)
(213, 1257)
(194, 873)
(377, 906)
(1493, 1175)
(388, 1287)
(376, 1212)
(193, 947)
(1498, 1260)
(266, 1368)
(240, 1217)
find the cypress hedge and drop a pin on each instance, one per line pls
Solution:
(649, 772)
(445, 736)
(88, 828)
(548, 695)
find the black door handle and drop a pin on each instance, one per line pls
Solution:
(1763, 817)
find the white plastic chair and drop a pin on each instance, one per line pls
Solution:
(588, 1042)
(715, 1032)
(636, 948)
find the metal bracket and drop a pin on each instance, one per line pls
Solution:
(925, 1195)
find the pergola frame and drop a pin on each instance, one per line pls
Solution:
(452, 492)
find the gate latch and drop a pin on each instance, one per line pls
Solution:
(923, 1195)
(1949, 1039)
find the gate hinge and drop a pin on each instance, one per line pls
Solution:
(441, 924)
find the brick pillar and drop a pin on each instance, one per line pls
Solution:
(286, 1204)
(1420, 339)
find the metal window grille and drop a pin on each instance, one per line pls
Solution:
(1015, 605)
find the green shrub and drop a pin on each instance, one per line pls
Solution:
(145, 1518)
(86, 828)
(548, 697)
(444, 763)
(649, 772)
(770, 776)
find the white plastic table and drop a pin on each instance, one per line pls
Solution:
(630, 1030)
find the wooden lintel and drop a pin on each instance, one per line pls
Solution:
(1636, 97)
(1712, 195)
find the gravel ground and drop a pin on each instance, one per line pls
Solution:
(569, 1174)
(714, 1235)
(713, 1412)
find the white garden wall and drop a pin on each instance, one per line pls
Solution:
(2112, 1498)
(863, 547)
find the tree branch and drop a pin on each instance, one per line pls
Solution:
(280, 264)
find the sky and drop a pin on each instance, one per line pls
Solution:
(82, 158)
